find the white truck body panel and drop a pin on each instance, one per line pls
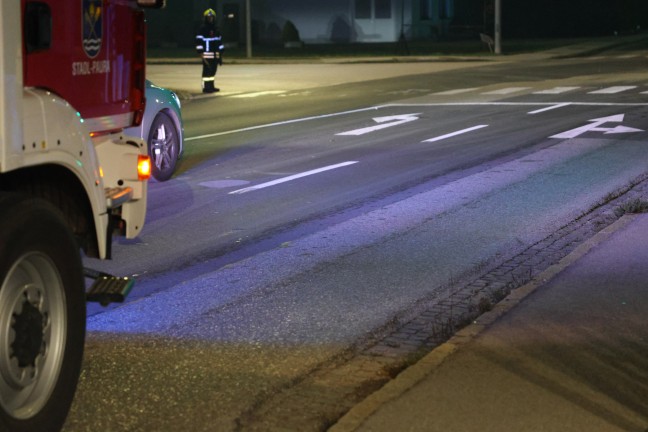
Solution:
(11, 87)
(38, 127)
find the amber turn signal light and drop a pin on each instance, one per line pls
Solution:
(143, 167)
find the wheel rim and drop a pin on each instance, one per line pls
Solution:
(33, 321)
(163, 145)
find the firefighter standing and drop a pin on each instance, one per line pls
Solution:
(209, 45)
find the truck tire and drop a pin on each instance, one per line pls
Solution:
(42, 315)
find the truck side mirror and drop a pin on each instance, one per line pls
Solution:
(37, 26)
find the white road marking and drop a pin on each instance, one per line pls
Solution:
(613, 90)
(595, 126)
(506, 91)
(407, 92)
(292, 177)
(384, 122)
(257, 94)
(429, 105)
(282, 123)
(514, 104)
(549, 108)
(211, 95)
(455, 92)
(450, 135)
(557, 90)
(223, 184)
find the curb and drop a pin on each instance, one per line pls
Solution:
(567, 51)
(411, 376)
(333, 60)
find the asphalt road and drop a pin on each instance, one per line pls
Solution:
(295, 233)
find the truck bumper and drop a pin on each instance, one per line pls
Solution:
(125, 192)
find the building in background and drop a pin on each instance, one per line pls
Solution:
(318, 22)
(335, 21)
(366, 21)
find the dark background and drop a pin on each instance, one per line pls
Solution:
(556, 18)
(175, 25)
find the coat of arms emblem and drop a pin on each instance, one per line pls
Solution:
(92, 27)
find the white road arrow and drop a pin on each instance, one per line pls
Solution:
(385, 122)
(595, 126)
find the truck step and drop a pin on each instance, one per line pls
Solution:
(106, 288)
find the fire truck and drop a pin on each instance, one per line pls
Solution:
(72, 77)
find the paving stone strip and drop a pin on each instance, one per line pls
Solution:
(318, 400)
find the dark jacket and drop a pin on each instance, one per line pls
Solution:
(209, 40)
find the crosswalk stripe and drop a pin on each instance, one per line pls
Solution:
(613, 90)
(547, 91)
(455, 92)
(557, 90)
(261, 93)
(506, 91)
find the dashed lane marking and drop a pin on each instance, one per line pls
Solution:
(549, 108)
(292, 177)
(450, 135)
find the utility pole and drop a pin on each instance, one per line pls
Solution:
(498, 26)
(248, 29)
(402, 48)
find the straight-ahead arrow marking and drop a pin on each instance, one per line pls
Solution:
(617, 130)
(385, 122)
(450, 135)
(595, 126)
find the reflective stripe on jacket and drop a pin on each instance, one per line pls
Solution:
(209, 44)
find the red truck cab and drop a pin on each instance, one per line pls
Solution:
(90, 52)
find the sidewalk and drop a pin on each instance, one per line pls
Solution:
(567, 352)
(281, 75)
(585, 47)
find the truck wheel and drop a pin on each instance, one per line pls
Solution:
(164, 146)
(42, 315)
